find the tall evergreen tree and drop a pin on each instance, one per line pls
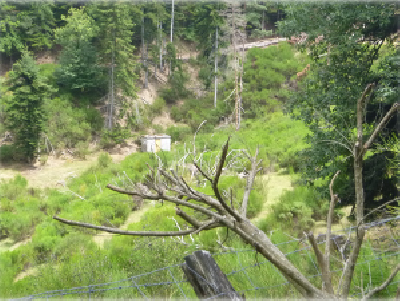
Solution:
(24, 106)
(79, 70)
(115, 20)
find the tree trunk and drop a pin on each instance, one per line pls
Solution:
(262, 244)
(216, 68)
(236, 69)
(110, 112)
(262, 22)
(161, 48)
(172, 19)
(146, 67)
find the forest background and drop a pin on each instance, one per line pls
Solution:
(82, 80)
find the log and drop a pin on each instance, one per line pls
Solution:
(206, 277)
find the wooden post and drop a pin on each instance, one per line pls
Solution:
(207, 279)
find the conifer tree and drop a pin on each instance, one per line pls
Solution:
(24, 106)
(115, 20)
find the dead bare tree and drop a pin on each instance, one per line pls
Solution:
(167, 185)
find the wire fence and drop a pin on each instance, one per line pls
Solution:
(255, 277)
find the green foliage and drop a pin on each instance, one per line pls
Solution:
(205, 75)
(264, 73)
(79, 70)
(28, 24)
(7, 152)
(265, 70)
(327, 101)
(297, 210)
(157, 107)
(104, 160)
(115, 24)
(178, 133)
(66, 126)
(20, 209)
(24, 107)
(13, 188)
(11, 40)
(116, 135)
(194, 111)
(177, 78)
(205, 19)
(82, 149)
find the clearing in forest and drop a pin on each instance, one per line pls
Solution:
(274, 184)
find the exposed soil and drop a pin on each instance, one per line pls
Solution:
(26, 273)
(56, 170)
(344, 223)
(134, 217)
(274, 185)
(9, 245)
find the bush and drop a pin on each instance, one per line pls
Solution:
(104, 160)
(47, 235)
(157, 107)
(7, 153)
(117, 135)
(178, 133)
(13, 188)
(66, 125)
(43, 159)
(94, 118)
(297, 209)
(82, 149)
(177, 114)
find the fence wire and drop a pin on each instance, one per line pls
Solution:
(252, 275)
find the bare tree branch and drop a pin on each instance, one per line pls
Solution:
(379, 127)
(349, 268)
(123, 232)
(250, 181)
(326, 278)
(203, 173)
(196, 223)
(377, 208)
(383, 285)
(171, 199)
(215, 183)
(360, 103)
(339, 143)
(334, 198)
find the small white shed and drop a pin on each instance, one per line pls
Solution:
(155, 143)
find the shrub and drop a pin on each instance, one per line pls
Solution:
(47, 235)
(157, 107)
(13, 188)
(296, 209)
(7, 153)
(66, 125)
(43, 159)
(177, 114)
(82, 149)
(104, 160)
(178, 133)
(94, 118)
(117, 135)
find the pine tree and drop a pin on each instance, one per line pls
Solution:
(115, 20)
(24, 106)
(79, 69)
